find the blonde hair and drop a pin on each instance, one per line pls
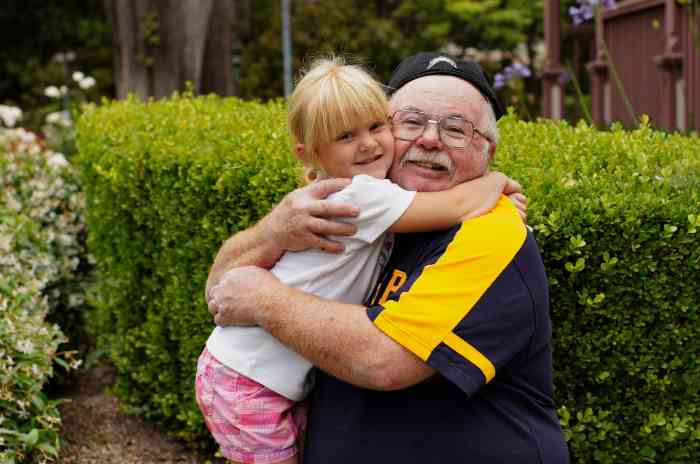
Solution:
(332, 97)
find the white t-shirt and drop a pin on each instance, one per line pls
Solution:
(345, 277)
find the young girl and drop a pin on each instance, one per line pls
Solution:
(248, 384)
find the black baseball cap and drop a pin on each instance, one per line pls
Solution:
(428, 64)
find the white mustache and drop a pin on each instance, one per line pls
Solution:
(435, 157)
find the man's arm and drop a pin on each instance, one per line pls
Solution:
(336, 337)
(300, 221)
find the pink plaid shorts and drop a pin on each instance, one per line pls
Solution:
(250, 422)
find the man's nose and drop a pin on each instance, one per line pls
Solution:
(430, 138)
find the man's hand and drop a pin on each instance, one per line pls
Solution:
(238, 296)
(514, 191)
(304, 219)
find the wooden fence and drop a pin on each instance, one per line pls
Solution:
(645, 60)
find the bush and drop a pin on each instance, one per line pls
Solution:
(44, 186)
(166, 183)
(616, 214)
(29, 264)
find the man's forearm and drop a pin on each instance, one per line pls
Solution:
(340, 339)
(250, 247)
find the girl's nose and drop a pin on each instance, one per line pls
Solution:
(367, 142)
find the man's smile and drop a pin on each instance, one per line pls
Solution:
(429, 165)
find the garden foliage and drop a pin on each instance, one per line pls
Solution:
(166, 183)
(617, 215)
(39, 252)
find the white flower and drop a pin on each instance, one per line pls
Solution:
(59, 118)
(57, 160)
(52, 92)
(75, 299)
(13, 204)
(78, 76)
(87, 83)
(25, 346)
(10, 115)
(26, 137)
(53, 118)
(64, 57)
(6, 243)
(63, 89)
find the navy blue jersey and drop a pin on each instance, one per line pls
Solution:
(473, 303)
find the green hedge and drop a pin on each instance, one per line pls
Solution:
(166, 183)
(616, 214)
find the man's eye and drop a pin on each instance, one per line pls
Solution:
(454, 130)
(413, 122)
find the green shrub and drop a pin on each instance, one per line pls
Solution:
(166, 184)
(616, 214)
(35, 257)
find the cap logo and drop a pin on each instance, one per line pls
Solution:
(439, 59)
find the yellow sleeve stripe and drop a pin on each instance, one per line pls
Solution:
(446, 291)
(472, 355)
(403, 337)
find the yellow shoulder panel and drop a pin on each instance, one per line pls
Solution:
(446, 291)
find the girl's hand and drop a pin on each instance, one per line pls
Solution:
(514, 191)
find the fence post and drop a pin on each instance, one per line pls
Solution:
(670, 63)
(553, 93)
(601, 112)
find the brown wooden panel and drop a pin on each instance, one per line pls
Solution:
(691, 68)
(634, 39)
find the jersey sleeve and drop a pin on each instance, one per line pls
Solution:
(469, 313)
(381, 204)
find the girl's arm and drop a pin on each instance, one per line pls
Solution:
(440, 210)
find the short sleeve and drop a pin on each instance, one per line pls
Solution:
(469, 312)
(381, 204)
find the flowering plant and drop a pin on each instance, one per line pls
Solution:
(67, 102)
(510, 81)
(41, 252)
(585, 10)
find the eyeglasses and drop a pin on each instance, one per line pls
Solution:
(455, 132)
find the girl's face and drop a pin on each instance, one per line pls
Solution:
(367, 149)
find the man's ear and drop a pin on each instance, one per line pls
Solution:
(491, 153)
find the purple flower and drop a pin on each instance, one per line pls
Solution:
(510, 72)
(585, 9)
(564, 78)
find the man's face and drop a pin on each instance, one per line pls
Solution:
(426, 164)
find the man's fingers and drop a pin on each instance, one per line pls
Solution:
(326, 227)
(325, 208)
(323, 188)
(329, 246)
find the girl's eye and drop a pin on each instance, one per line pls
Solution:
(377, 126)
(344, 136)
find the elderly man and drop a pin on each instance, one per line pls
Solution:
(450, 359)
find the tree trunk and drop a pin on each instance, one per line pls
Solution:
(162, 44)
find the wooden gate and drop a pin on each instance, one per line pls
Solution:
(653, 66)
